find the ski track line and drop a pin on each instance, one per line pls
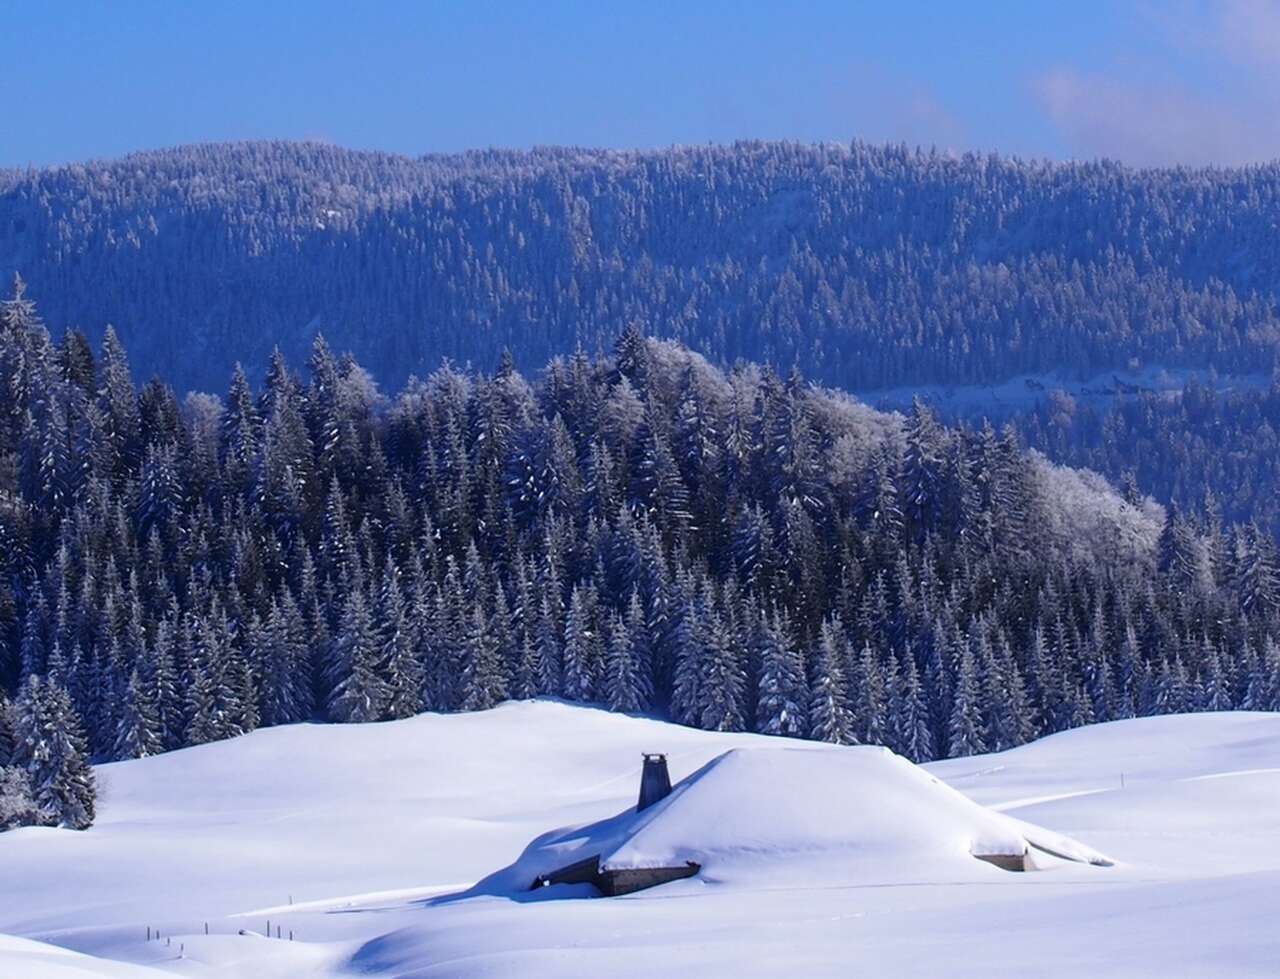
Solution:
(1244, 771)
(1037, 799)
(348, 901)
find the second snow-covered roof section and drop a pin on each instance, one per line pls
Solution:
(842, 814)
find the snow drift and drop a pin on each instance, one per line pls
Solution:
(786, 814)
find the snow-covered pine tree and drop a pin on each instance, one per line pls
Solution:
(503, 630)
(911, 726)
(140, 731)
(7, 735)
(965, 729)
(869, 701)
(160, 492)
(829, 716)
(1008, 710)
(783, 698)
(1264, 685)
(483, 682)
(524, 682)
(580, 648)
(119, 405)
(50, 746)
(548, 647)
(160, 671)
(286, 676)
(722, 681)
(438, 617)
(202, 719)
(359, 693)
(1256, 575)
(243, 682)
(17, 805)
(686, 642)
(1214, 687)
(625, 685)
(1173, 693)
(401, 669)
(922, 467)
(1178, 552)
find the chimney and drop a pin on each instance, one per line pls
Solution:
(655, 783)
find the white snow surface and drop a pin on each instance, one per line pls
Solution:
(366, 842)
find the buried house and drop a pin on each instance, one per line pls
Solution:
(790, 816)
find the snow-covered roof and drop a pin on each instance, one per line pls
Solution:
(842, 813)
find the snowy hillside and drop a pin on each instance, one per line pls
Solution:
(360, 839)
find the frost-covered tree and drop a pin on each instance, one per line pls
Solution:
(17, 805)
(581, 648)
(483, 683)
(912, 732)
(360, 689)
(783, 699)
(829, 715)
(626, 683)
(51, 748)
(722, 682)
(141, 729)
(870, 700)
(400, 666)
(965, 727)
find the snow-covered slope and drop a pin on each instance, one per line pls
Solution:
(21, 957)
(361, 839)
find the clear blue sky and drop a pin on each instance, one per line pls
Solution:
(1146, 82)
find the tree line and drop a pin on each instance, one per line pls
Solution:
(640, 530)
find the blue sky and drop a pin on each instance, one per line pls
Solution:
(1149, 83)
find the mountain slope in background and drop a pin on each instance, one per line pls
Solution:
(868, 267)
(354, 838)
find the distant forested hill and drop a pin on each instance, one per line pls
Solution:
(864, 266)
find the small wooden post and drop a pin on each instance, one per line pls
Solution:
(148, 933)
(206, 927)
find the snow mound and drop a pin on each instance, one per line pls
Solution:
(831, 814)
(20, 957)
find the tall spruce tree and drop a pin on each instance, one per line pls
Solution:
(829, 716)
(50, 746)
(782, 705)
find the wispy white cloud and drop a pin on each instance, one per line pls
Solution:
(1248, 31)
(1153, 125)
(1147, 114)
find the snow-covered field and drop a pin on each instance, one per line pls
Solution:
(360, 840)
